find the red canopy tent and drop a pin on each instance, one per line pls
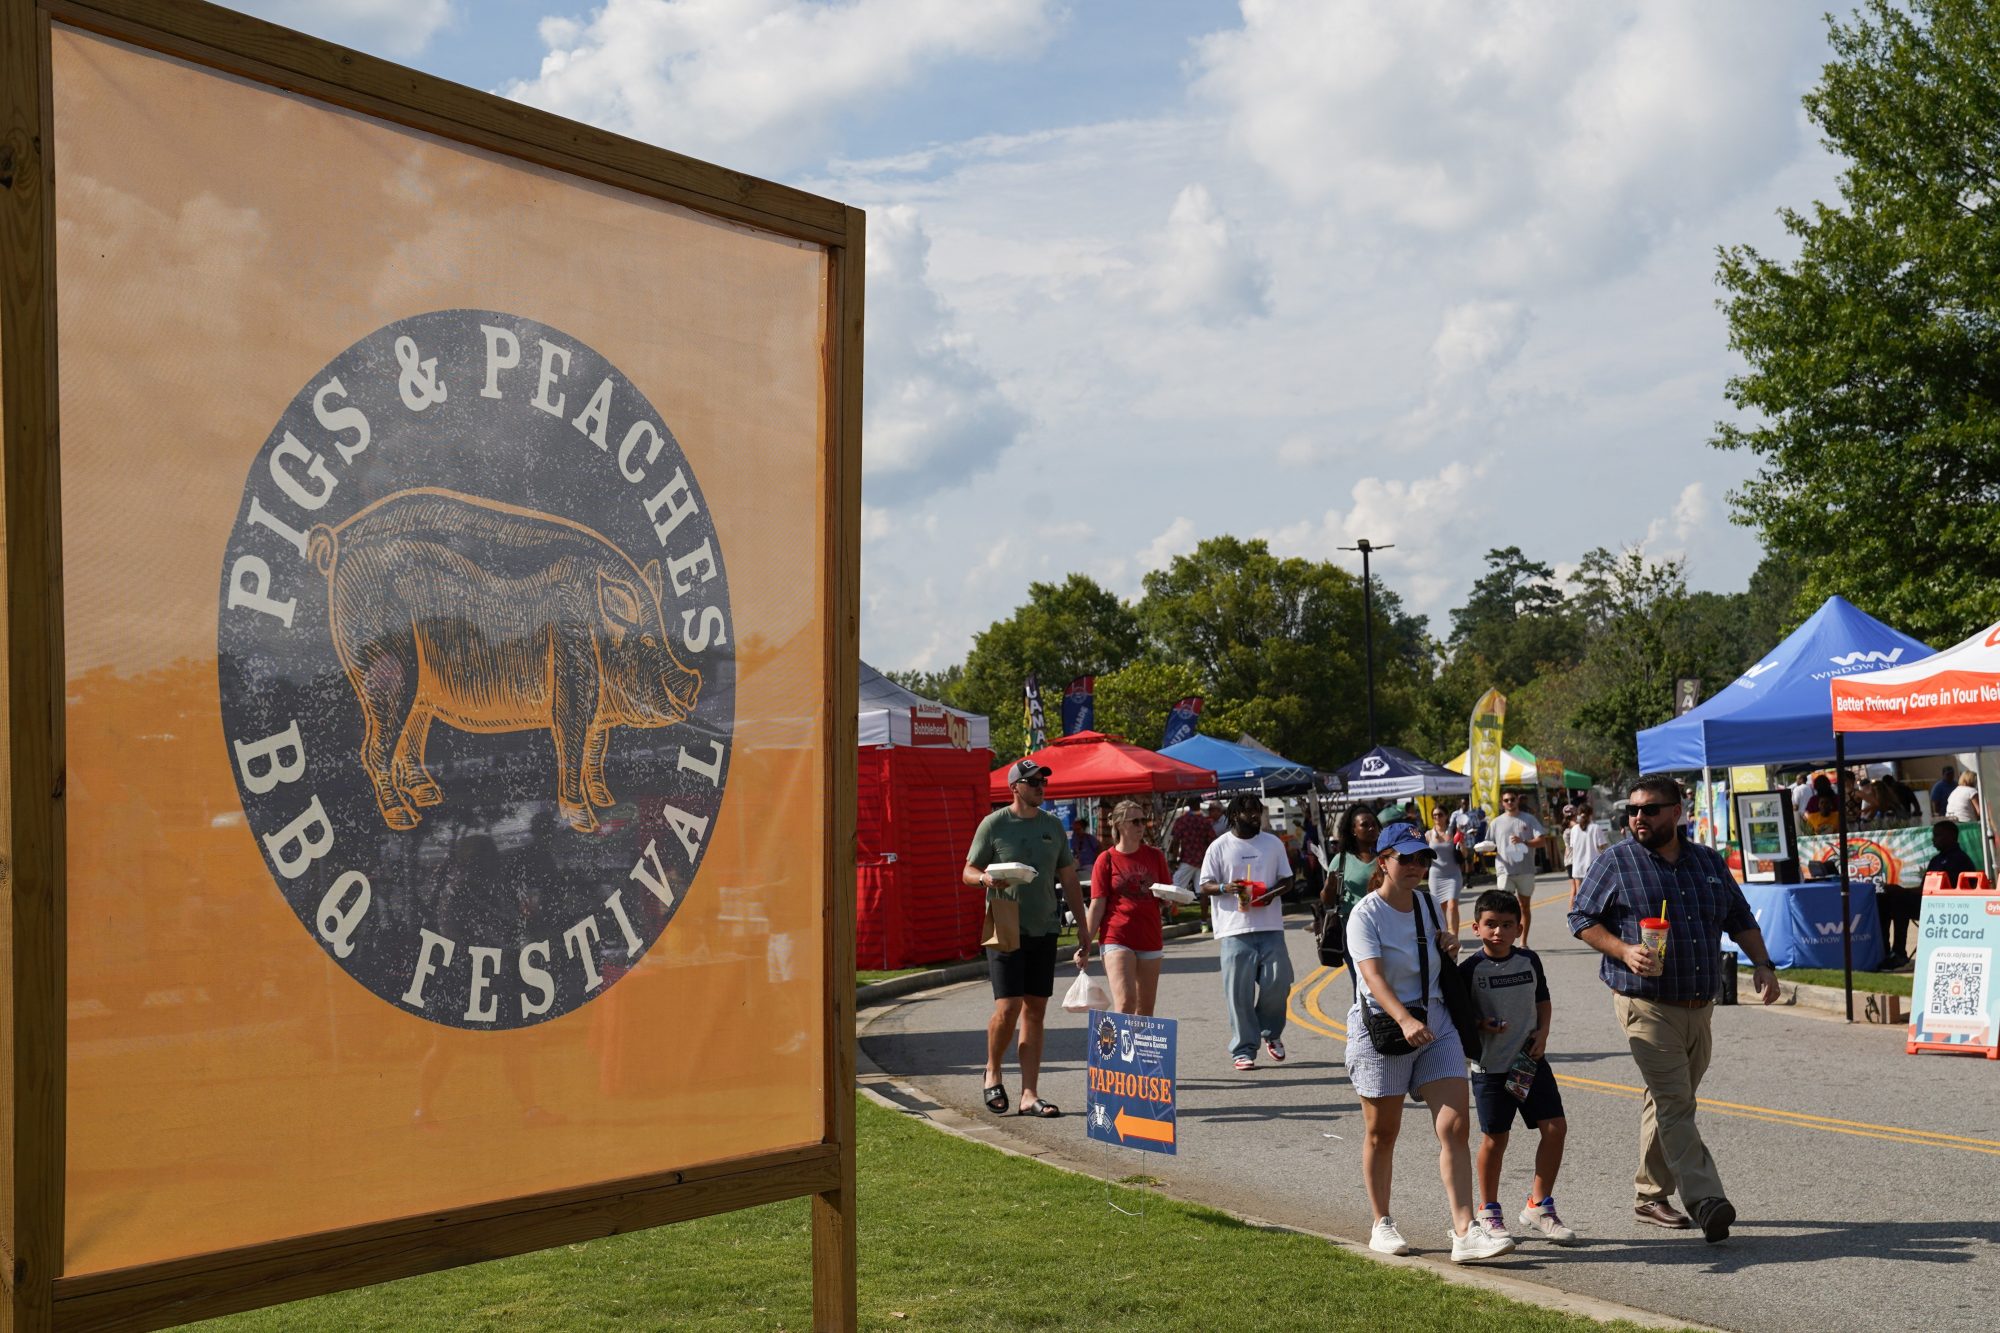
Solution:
(1090, 763)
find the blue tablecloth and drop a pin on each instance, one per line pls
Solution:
(1801, 923)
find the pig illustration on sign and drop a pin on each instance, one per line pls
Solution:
(492, 618)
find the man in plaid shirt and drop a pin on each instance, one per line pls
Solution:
(1664, 1001)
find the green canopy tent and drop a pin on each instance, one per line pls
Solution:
(1572, 780)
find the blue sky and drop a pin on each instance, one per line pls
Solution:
(1428, 273)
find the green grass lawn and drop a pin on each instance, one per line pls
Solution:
(1882, 983)
(953, 1236)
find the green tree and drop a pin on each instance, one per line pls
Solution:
(1516, 621)
(1064, 630)
(1646, 631)
(1278, 645)
(1134, 700)
(938, 685)
(1873, 359)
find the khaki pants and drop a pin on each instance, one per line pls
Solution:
(1671, 1046)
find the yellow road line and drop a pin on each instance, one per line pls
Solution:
(1308, 1014)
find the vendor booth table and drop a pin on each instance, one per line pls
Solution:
(1801, 923)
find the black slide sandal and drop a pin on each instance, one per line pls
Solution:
(996, 1099)
(1042, 1110)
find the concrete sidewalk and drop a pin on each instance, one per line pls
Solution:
(1866, 1178)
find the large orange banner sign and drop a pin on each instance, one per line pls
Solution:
(446, 670)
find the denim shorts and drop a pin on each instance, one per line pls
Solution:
(1375, 1075)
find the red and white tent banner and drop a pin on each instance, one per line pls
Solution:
(1957, 687)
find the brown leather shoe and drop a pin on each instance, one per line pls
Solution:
(1660, 1213)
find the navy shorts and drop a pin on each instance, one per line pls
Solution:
(1497, 1106)
(1028, 970)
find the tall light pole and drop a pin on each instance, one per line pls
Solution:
(1368, 625)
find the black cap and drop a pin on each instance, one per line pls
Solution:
(1027, 770)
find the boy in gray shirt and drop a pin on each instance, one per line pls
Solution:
(1512, 993)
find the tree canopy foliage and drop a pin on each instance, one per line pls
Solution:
(1274, 646)
(1872, 393)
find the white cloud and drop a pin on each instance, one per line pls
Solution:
(1672, 534)
(1201, 268)
(1426, 518)
(758, 83)
(1479, 336)
(1561, 136)
(1178, 539)
(933, 417)
(399, 28)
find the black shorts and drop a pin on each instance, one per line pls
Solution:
(1028, 970)
(1497, 1106)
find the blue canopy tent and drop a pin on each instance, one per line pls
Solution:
(1243, 767)
(1780, 711)
(1387, 771)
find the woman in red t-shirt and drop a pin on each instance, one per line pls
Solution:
(1124, 913)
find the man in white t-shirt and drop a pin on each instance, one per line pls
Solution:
(1249, 925)
(1585, 841)
(1515, 835)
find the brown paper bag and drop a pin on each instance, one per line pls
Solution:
(1003, 925)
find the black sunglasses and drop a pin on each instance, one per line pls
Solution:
(1650, 808)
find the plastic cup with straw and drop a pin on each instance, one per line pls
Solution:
(1653, 932)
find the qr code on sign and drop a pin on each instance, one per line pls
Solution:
(1956, 987)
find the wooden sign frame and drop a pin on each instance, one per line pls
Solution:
(37, 1296)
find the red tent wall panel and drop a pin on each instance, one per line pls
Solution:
(920, 805)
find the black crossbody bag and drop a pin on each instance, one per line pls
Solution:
(1385, 1032)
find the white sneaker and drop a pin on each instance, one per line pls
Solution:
(1385, 1239)
(1541, 1218)
(1490, 1220)
(1478, 1244)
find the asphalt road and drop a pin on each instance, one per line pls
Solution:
(1868, 1180)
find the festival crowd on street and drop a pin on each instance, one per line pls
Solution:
(1463, 1031)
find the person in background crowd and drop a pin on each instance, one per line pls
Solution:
(1124, 914)
(1353, 859)
(1898, 801)
(1801, 793)
(1822, 810)
(1665, 1002)
(1187, 843)
(1941, 791)
(1447, 866)
(1517, 834)
(1312, 855)
(1083, 844)
(1217, 820)
(1584, 840)
(1382, 939)
(1024, 978)
(1963, 807)
(1250, 930)
(1898, 906)
(1392, 813)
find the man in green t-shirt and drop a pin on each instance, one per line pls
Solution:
(1024, 978)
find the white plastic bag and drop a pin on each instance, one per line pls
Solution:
(1085, 994)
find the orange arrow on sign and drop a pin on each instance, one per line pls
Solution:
(1133, 1127)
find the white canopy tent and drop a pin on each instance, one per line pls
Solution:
(892, 715)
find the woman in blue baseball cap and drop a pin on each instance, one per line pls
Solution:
(1398, 945)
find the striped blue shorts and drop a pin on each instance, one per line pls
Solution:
(1376, 1075)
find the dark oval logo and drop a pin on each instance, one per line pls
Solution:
(477, 667)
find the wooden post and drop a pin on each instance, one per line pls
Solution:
(32, 1012)
(833, 1213)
